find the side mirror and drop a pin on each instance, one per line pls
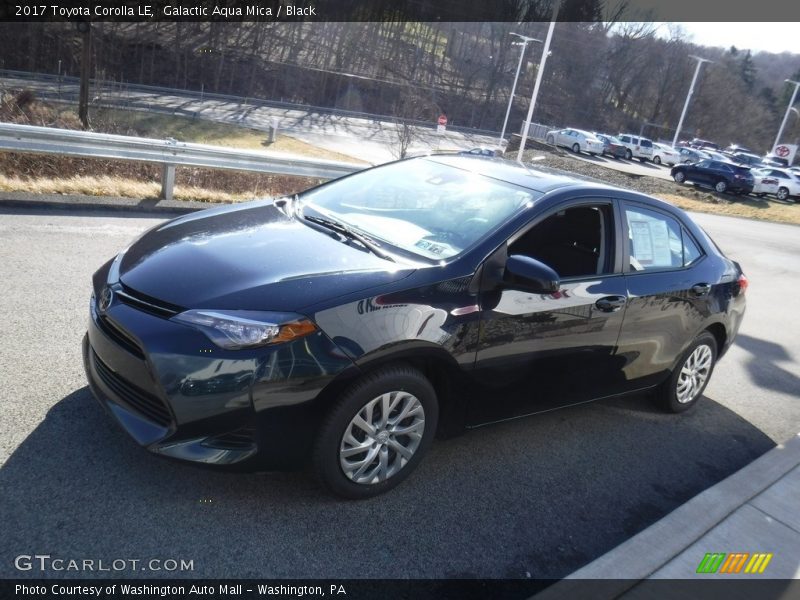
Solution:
(524, 272)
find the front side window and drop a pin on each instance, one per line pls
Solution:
(422, 206)
(574, 242)
(657, 241)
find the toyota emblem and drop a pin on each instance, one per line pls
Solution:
(105, 299)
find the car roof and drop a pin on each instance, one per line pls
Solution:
(536, 178)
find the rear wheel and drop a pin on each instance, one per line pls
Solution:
(721, 186)
(376, 434)
(783, 193)
(576, 148)
(628, 154)
(687, 382)
(679, 177)
(550, 140)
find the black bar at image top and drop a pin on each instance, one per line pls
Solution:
(396, 10)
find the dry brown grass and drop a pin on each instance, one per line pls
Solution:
(84, 185)
(766, 209)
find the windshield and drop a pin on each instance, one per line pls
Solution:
(433, 210)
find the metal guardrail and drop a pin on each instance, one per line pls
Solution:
(169, 153)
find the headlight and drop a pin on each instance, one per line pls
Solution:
(236, 329)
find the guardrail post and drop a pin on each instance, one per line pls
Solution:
(272, 131)
(167, 182)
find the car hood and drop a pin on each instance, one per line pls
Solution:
(248, 257)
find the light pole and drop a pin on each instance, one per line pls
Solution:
(788, 110)
(700, 62)
(524, 43)
(545, 54)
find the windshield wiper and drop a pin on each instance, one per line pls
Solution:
(346, 231)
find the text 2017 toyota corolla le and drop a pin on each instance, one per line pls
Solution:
(346, 325)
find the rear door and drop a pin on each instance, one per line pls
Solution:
(669, 287)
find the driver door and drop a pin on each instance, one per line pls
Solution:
(540, 351)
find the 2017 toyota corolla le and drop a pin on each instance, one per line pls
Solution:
(345, 326)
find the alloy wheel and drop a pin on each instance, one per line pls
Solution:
(382, 437)
(694, 373)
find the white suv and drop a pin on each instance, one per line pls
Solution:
(637, 147)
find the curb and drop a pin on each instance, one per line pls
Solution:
(643, 554)
(27, 200)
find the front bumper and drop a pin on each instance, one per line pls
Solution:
(181, 397)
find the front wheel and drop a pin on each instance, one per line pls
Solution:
(679, 177)
(376, 434)
(657, 159)
(550, 140)
(628, 154)
(687, 382)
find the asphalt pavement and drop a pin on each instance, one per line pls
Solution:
(538, 497)
(369, 139)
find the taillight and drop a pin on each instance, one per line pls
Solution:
(743, 283)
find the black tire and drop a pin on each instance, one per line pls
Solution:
(783, 193)
(657, 159)
(326, 457)
(721, 186)
(628, 154)
(576, 148)
(761, 195)
(642, 159)
(679, 177)
(593, 153)
(550, 140)
(667, 393)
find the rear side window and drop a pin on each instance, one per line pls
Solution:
(657, 241)
(647, 143)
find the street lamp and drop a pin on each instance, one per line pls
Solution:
(524, 43)
(545, 54)
(700, 62)
(788, 110)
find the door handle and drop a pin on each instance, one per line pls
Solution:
(611, 303)
(701, 289)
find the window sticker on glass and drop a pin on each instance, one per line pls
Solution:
(651, 243)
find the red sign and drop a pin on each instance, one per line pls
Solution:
(442, 120)
(781, 151)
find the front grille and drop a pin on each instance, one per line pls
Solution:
(241, 439)
(147, 304)
(120, 336)
(148, 405)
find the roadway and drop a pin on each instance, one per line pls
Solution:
(537, 497)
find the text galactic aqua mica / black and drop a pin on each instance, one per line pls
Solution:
(346, 326)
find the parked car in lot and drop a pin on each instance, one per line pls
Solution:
(484, 151)
(636, 147)
(347, 325)
(690, 155)
(747, 159)
(703, 144)
(715, 155)
(722, 176)
(772, 160)
(781, 183)
(663, 154)
(576, 140)
(734, 148)
(611, 146)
